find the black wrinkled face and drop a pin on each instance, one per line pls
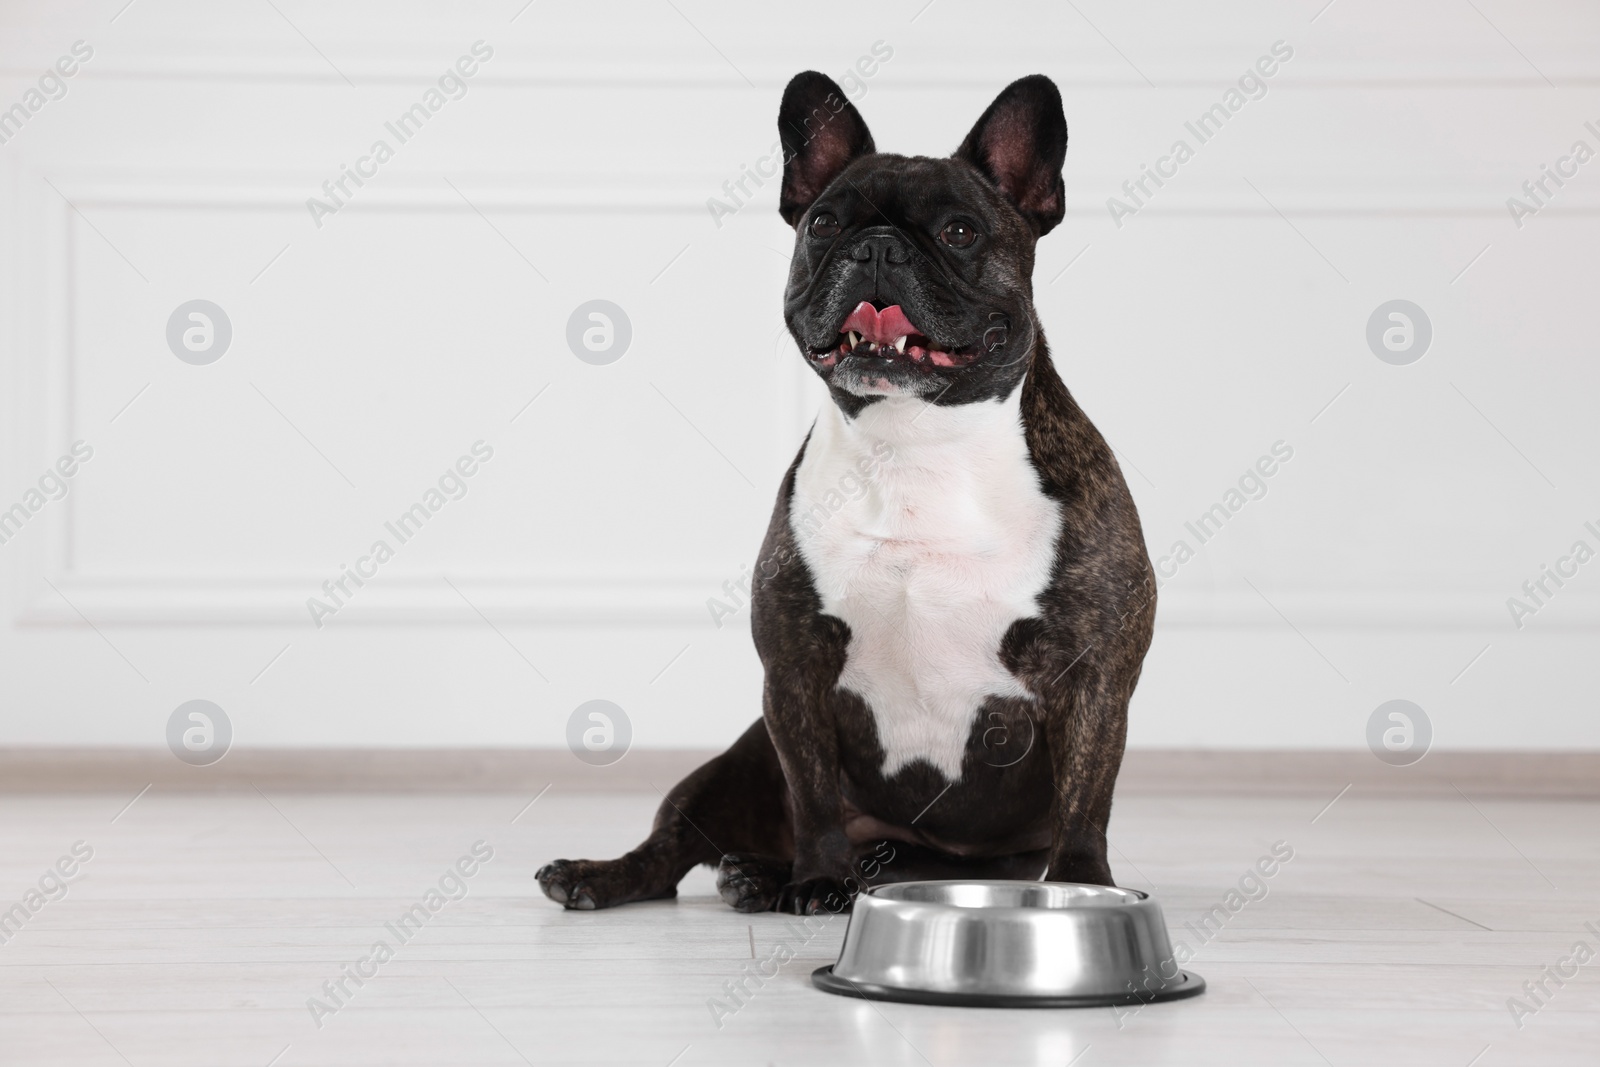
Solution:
(912, 277)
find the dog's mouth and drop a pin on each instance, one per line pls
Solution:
(886, 334)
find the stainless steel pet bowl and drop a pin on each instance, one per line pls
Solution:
(1007, 945)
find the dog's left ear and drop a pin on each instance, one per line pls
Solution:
(1020, 144)
(822, 132)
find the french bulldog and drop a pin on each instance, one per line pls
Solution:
(954, 600)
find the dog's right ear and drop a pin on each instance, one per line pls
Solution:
(822, 132)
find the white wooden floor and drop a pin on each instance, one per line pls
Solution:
(203, 924)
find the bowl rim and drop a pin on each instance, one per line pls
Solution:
(882, 893)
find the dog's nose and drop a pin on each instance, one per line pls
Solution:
(882, 244)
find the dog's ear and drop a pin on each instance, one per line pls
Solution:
(1019, 144)
(822, 132)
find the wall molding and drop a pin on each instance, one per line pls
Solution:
(1082, 65)
(280, 600)
(681, 601)
(1187, 196)
(72, 597)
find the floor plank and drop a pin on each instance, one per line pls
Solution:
(203, 924)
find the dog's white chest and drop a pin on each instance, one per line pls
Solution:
(926, 531)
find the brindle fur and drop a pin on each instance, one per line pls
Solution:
(796, 815)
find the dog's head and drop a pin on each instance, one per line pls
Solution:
(912, 276)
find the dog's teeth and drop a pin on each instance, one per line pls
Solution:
(900, 345)
(855, 338)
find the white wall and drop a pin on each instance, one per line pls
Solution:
(423, 316)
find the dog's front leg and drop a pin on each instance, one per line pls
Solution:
(1087, 727)
(800, 719)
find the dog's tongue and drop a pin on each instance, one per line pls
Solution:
(880, 327)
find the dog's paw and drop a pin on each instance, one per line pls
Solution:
(749, 882)
(585, 885)
(814, 895)
(563, 881)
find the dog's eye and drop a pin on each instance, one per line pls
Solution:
(824, 224)
(958, 235)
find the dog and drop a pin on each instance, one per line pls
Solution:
(954, 600)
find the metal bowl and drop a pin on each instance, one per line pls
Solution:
(1005, 944)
